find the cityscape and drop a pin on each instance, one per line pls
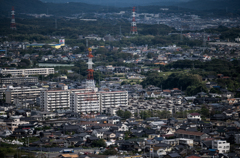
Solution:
(120, 79)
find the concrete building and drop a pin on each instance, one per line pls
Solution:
(26, 72)
(221, 145)
(82, 100)
(18, 95)
(113, 100)
(2, 93)
(85, 102)
(196, 136)
(179, 141)
(17, 80)
(59, 99)
(14, 122)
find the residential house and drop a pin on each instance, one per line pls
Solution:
(221, 145)
(194, 116)
(196, 136)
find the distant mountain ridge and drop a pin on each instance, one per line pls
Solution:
(119, 3)
(37, 6)
(228, 5)
(22, 6)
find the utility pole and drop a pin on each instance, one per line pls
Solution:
(181, 36)
(55, 23)
(120, 33)
(79, 76)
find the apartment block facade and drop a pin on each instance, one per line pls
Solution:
(17, 80)
(113, 100)
(82, 100)
(54, 100)
(85, 102)
(18, 95)
(27, 72)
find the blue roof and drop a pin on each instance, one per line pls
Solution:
(159, 138)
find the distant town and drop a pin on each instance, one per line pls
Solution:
(160, 85)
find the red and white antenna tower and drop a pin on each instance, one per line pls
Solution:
(90, 80)
(133, 24)
(13, 24)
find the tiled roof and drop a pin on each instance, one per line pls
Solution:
(195, 114)
(189, 132)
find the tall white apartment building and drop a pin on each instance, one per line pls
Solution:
(221, 145)
(113, 100)
(18, 95)
(82, 100)
(98, 101)
(53, 100)
(85, 102)
(26, 72)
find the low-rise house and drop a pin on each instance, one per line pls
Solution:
(129, 146)
(109, 135)
(237, 138)
(162, 148)
(114, 120)
(196, 136)
(122, 127)
(14, 122)
(232, 101)
(98, 133)
(194, 116)
(221, 145)
(157, 124)
(152, 94)
(173, 155)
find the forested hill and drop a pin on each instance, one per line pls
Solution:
(22, 6)
(36, 6)
(227, 5)
(121, 3)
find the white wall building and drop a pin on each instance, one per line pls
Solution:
(58, 99)
(194, 116)
(86, 102)
(113, 100)
(26, 72)
(157, 124)
(82, 100)
(179, 141)
(14, 122)
(18, 95)
(221, 145)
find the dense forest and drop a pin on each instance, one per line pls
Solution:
(189, 75)
(201, 7)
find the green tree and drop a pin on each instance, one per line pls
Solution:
(124, 82)
(145, 114)
(24, 63)
(99, 143)
(127, 114)
(120, 113)
(124, 114)
(110, 151)
(204, 111)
